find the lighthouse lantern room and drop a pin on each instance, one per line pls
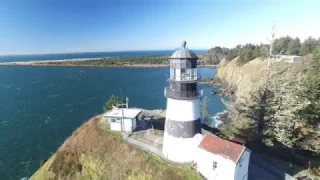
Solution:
(183, 106)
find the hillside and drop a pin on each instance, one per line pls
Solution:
(93, 152)
(241, 79)
(271, 113)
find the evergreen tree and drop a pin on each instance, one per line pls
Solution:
(204, 110)
(294, 47)
(309, 110)
(113, 101)
(231, 54)
(308, 46)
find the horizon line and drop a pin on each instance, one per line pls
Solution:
(22, 54)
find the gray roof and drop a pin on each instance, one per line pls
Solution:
(183, 52)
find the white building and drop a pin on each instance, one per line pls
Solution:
(219, 159)
(123, 119)
(288, 58)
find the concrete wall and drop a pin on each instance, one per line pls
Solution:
(243, 166)
(225, 169)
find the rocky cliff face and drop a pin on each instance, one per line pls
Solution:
(240, 79)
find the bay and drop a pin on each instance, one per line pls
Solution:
(41, 106)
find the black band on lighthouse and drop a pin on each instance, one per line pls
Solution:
(183, 129)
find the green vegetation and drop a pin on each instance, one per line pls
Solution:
(283, 45)
(277, 105)
(106, 62)
(277, 109)
(216, 54)
(113, 101)
(204, 110)
(293, 46)
(284, 110)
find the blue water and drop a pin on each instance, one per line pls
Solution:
(41, 106)
(39, 57)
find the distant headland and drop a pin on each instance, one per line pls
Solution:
(130, 62)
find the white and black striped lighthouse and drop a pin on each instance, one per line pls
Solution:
(183, 106)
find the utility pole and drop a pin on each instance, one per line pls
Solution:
(122, 114)
(121, 105)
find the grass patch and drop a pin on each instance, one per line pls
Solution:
(104, 128)
(95, 152)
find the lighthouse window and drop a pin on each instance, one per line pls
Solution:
(183, 74)
(172, 73)
(177, 74)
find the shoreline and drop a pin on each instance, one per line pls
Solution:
(83, 63)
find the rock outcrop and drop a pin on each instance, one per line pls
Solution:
(239, 79)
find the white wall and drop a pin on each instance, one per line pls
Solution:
(183, 110)
(243, 166)
(134, 123)
(126, 126)
(225, 168)
(180, 149)
(114, 126)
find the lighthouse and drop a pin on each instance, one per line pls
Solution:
(183, 106)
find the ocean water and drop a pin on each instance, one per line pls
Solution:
(41, 106)
(40, 57)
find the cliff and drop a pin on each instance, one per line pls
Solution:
(240, 79)
(94, 152)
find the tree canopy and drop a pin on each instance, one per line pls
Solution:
(283, 46)
(113, 101)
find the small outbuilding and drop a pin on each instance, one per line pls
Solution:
(219, 159)
(123, 119)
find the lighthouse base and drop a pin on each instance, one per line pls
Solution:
(182, 124)
(179, 150)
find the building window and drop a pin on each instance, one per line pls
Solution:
(214, 165)
(112, 120)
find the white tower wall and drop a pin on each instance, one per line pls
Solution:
(182, 124)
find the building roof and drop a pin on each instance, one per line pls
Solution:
(127, 113)
(224, 148)
(183, 53)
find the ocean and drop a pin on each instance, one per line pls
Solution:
(41, 106)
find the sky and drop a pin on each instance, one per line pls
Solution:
(62, 26)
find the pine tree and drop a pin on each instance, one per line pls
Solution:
(204, 110)
(309, 110)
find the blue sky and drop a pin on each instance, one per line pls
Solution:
(58, 26)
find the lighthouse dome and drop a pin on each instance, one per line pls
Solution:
(183, 53)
